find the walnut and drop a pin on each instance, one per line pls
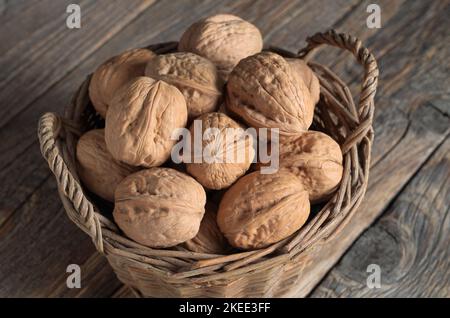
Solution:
(159, 207)
(261, 209)
(96, 167)
(264, 91)
(224, 39)
(302, 70)
(195, 76)
(141, 121)
(209, 239)
(113, 74)
(316, 159)
(226, 154)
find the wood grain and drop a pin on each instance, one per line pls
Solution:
(25, 17)
(409, 242)
(29, 187)
(123, 292)
(401, 60)
(22, 271)
(34, 65)
(404, 75)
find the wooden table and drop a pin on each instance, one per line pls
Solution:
(403, 224)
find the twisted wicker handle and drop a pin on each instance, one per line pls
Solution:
(82, 214)
(370, 81)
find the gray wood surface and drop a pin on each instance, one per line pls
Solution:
(409, 242)
(44, 63)
(33, 65)
(408, 126)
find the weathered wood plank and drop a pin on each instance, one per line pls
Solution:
(21, 178)
(10, 9)
(123, 292)
(407, 69)
(409, 242)
(354, 23)
(24, 17)
(398, 57)
(20, 234)
(34, 65)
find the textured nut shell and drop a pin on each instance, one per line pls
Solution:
(224, 39)
(317, 160)
(195, 76)
(261, 209)
(159, 207)
(209, 239)
(141, 120)
(113, 74)
(96, 167)
(302, 70)
(221, 175)
(264, 92)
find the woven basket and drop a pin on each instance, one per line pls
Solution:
(274, 271)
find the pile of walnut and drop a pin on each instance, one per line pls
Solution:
(219, 76)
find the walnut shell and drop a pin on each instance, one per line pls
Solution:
(226, 154)
(97, 169)
(224, 39)
(141, 120)
(209, 239)
(113, 74)
(302, 70)
(261, 209)
(316, 159)
(159, 207)
(264, 91)
(195, 76)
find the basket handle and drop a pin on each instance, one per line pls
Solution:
(83, 213)
(370, 81)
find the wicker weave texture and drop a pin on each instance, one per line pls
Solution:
(273, 271)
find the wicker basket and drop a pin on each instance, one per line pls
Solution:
(274, 271)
